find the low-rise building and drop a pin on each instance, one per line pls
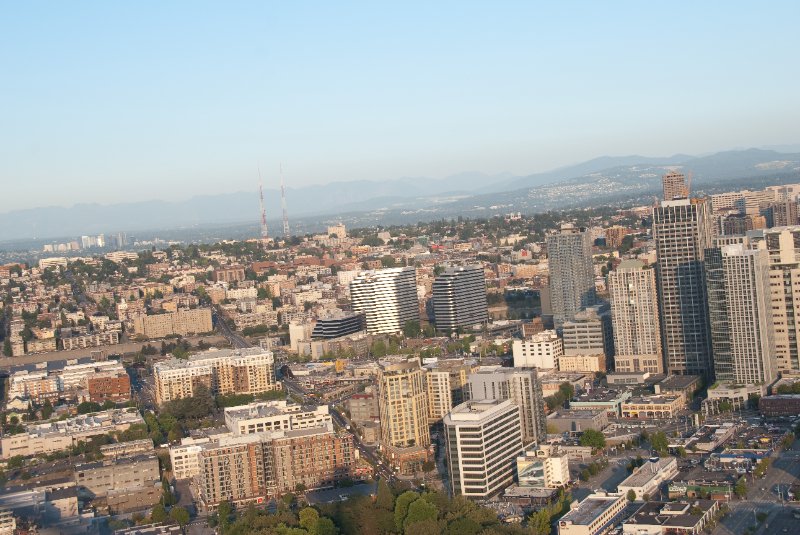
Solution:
(664, 406)
(594, 515)
(576, 421)
(779, 405)
(646, 479)
(609, 400)
(55, 436)
(671, 518)
(538, 471)
(591, 363)
(135, 473)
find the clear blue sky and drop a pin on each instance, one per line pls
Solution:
(114, 101)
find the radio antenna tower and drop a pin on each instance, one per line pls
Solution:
(283, 207)
(264, 230)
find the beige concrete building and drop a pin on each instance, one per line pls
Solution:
(223, 371)
(403, 404)
(784, 283)
(582, 363)
(59, 435)
(674, 185)
(660, 407)
(635, 318)
(446, 382)
(183, 323)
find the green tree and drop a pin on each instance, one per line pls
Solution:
(463, 526)
(325, 526)
(539, 522)
(179, 515)
(411, 329)
(88, 407)
(420, 510)
(224, 512)
(384, 497)
(47, 409)
(659, 442)
(631, 495)
(7, 348)
(309, 518)
(159, 514)
(593, 438)
(401, 507)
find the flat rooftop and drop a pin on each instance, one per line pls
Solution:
(589, 509)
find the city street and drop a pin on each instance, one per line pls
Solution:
(763, 496)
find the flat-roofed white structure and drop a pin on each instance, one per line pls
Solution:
(275, 415)
(594, 515)
(648, 478)
(483, 441)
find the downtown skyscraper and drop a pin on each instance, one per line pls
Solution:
(739, 304)
(459, 298)
(682, 231)
(634, 316)
(569, 256)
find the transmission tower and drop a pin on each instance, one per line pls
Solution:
(264, 230)
(283, 207)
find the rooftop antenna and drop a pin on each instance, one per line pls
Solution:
(283, 207)
(264, 230)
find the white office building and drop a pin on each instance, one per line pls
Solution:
(542, 350)
(483, 442)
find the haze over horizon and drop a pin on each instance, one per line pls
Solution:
(189, 98)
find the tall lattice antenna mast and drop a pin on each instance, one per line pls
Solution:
(283, 207)
(264, 230)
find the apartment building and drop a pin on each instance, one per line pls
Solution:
(403, 404)
(740, 314)
(589, 332)
(446, 382)
(682, 232)
(252, 468)
(635, 318)
(387, 298)
(183, 322)
(263, 416)
(569, 255)
(483, 442)
(459, 298)
(90, 340)
(222, 371)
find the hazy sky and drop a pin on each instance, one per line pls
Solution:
(115, 101)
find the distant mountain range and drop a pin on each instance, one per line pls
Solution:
(410, 199)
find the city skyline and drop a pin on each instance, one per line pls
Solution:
(120, 103)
